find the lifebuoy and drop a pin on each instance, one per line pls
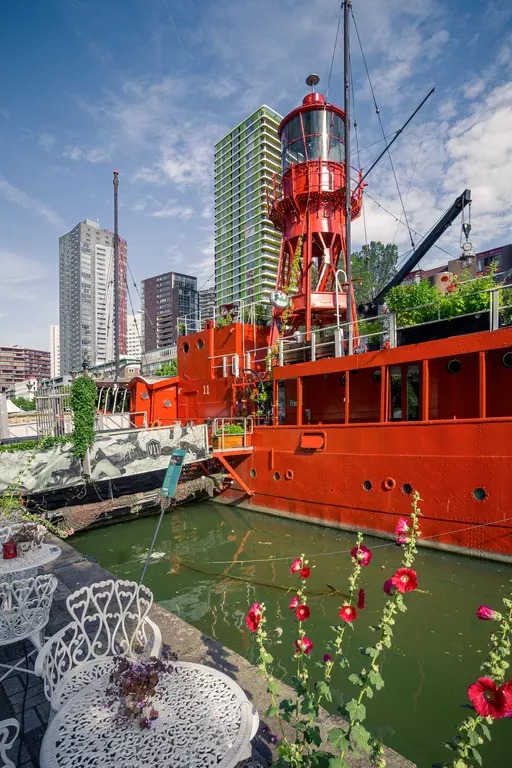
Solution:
(155, 423)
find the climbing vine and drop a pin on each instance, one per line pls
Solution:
(83, 403)
(288, 312)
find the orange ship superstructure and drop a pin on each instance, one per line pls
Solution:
(338, 429)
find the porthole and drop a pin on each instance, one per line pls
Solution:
(407, 489)
(252, 473)
(277, 476)
(186, 347)
(507, 359)
(479, 494)
(377, 376)
(454, 366)
(343, 379)
(389, 484)
(144, 396)
(167, 403)
(367, 485)
(200, 343)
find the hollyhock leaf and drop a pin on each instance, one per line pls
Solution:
(312, 735)
(369, 691)
(273, 686)
(287, 705)
(476, 756)
(338, 739)
(355, 710)
(355, 680)
(376, 679)
(486, 732)
(401, 606)
(267, 658)
(371, 651)
(361, 737)
(387, 641)
(342, 661)
(272, 711)
(324, 690)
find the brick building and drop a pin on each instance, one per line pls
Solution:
(21, 363)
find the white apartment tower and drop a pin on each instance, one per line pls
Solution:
(134, 335)
(86, 296)
(54, 351)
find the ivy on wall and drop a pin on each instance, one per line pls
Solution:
(31, 445)
(83, 402)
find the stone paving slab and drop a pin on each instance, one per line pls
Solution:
(24, 693)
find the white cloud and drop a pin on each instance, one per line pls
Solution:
(46, 140)
(87, 153)
(21, 199)
(173, 211)
(473, 89)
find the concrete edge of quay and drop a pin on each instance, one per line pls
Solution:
(75, 570)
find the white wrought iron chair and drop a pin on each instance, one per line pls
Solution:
(9, 730)
(24, 612)
(109, 618)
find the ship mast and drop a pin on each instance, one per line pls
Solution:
(348, 243)
(116, 277)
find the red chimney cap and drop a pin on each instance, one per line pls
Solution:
(313, 98)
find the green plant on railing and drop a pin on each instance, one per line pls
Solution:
(29, 445)
(230, 429)
(407, 300)
(465, 295)
(302, 711)
(168, 369)
(223, 321)
(83, 402)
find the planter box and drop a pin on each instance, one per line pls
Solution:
(227, 441)
(443, 329)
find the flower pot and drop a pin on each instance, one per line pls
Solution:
(227, 441)
(24, 547)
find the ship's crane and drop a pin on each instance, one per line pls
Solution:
(371, 308)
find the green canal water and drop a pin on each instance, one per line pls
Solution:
(201, 572)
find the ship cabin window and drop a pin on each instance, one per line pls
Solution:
(313, 135)
(364, 395)
(498, 364)
(404, 392)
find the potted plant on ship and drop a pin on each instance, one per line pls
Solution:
(229, 436)
(27, 536)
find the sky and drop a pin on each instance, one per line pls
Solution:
(148, 86)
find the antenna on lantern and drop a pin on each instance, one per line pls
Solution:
(312, 80)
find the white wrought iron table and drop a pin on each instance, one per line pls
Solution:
(29, 561)
(204, 720)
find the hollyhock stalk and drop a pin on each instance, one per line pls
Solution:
(371, 678)
(471, 732)
(265, 659)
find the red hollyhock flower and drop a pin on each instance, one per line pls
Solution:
(253, 618)
(405, 580)
(362, 554)
(450, 288)
(487, 699)
(304, 645)
(303, 612)
(360, 600)
(294, 603)
(388, 587)
(305, 573)
(296, 565)
(485, 613)
(348, 613)
(327, 658)
(402, 527)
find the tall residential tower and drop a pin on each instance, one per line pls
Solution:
(168, 299)
(246, 243)
(86, 296)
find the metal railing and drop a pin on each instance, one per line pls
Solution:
(231, 441)
(54, 417)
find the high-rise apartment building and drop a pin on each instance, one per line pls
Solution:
(21, 363)
(167, 300)
(207, 304)
(86, 296)
(54, 351)
(134, 335)
(246, 242)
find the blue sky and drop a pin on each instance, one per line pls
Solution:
(148, 86)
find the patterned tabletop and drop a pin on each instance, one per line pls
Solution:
(33, 559)
(204, 719)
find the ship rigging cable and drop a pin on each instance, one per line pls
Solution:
(334, 52)
(377, 111)
(377, 546)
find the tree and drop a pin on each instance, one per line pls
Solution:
(24, 403)
(168, 369)
(374, 265)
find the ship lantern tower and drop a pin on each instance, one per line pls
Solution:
(308, 207)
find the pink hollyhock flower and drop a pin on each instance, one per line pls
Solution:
(296, 565)
(305, 573)
(450, 288)
(327, 658)
(485, 613)
(402, 527)
(294, 603)
(388, 587)
(362, 554)
(303, 612)
(253, 618)
(360, 600)
(401, 540)
(488, 700)
(304, 645)
(348, 613)
(405, 580)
